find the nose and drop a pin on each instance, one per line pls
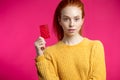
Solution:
(71, 23)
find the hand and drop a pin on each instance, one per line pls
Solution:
(40, 45)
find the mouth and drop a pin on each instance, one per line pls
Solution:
(71, 30)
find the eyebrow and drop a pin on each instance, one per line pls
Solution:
(68, 16)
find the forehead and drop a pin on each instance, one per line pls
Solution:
(71, 11)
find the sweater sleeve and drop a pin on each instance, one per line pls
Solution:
(45, 68)
(98, 67)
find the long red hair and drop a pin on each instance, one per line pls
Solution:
(57, 27)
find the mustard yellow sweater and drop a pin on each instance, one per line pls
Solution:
(83, 61)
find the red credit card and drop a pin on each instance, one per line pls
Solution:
(44, 31)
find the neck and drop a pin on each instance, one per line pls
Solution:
(71, 40)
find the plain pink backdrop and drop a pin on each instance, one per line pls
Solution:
(19, 28)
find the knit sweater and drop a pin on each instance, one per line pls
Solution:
(82, 61)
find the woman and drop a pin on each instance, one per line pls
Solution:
(73, 57)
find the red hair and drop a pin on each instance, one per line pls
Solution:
(57, 27)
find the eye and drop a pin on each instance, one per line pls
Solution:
(65, 19)
(76, 19)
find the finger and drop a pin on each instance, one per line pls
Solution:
(42, 39)
(39, 46)
(36, 44)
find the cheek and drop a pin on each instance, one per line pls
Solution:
(80, 24)
(63, 24)
(79, 27)
(82, 21)
(64, 27)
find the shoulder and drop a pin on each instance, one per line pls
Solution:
(94, 42)
(52, 49)
(97, 48)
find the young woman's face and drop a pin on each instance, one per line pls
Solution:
(71, 20)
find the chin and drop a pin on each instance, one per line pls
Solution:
(71, 34)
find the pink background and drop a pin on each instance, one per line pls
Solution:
(19, 28)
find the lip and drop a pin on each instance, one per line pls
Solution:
(71, 30)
